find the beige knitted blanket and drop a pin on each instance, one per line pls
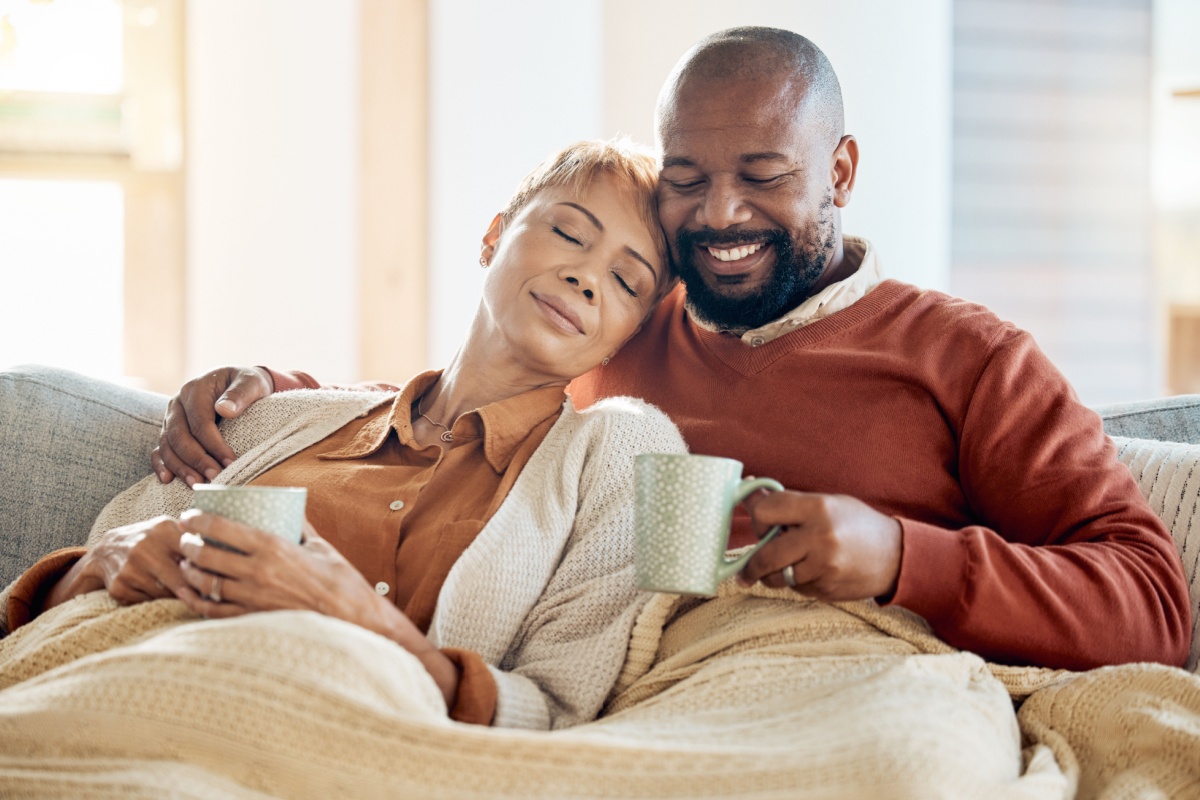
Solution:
(753, 694)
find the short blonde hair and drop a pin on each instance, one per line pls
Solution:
(632, 165)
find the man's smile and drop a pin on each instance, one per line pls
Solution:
(733, 261)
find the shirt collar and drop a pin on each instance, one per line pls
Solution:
(830, 300)
(504, 425)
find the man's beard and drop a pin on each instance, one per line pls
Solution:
(793, 276)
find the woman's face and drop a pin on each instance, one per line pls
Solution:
(570, 278)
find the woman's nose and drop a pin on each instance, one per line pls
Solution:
(584, 290)
(722, 206)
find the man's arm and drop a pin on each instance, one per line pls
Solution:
(190, 445)
(1066, 567)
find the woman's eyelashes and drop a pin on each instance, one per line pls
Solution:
(624, 284)
(566, 235)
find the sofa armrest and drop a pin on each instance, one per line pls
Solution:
(1168, 419)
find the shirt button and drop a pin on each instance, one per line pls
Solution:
(396, 505)
(382, 588)
(756, 341)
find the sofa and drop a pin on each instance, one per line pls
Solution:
(757, 693)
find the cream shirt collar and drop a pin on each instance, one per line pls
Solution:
(828, 301)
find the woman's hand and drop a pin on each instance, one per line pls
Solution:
(135, 563)
(272, 574)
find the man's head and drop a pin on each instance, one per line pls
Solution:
(755, 168)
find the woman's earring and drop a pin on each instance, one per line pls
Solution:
(483, 262)
(604, 363)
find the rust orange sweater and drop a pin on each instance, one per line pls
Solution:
(1025, 540)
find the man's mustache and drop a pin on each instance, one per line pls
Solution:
(707, 237)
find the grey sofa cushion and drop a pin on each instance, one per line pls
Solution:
(1169, 419)
(68, 444)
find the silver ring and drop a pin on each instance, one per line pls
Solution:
(214, 594)
(789, 575)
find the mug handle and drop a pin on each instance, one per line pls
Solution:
(744, 489)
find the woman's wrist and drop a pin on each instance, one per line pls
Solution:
(400, 629)
(79, 579)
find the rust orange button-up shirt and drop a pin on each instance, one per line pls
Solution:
(403, 514)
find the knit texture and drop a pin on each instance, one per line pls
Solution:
(545, 593)
(756, 693)
(1169, 476)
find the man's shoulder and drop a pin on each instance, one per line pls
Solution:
(944, 315)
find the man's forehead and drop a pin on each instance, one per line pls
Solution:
(697, 105)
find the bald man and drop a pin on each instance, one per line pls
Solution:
(935, 459)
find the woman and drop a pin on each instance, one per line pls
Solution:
(476, 519)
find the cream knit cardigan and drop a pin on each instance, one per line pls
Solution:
(545, 593)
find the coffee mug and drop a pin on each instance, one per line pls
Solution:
(275, 509)
(683, 508)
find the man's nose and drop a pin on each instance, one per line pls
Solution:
(722, 206)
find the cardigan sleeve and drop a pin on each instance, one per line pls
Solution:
(290, 381)
(1068, 566)
(570, 648)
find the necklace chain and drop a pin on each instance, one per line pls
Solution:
(446, 435)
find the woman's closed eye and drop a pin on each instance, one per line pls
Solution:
(566, 236)
(624, 283)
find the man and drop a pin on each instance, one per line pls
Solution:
(935, 458)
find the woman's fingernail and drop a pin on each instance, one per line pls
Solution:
(226, 461)
(211, 474)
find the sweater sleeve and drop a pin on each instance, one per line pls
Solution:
(571, 646)
(288, 381)
(1068, 566)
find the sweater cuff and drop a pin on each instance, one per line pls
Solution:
(475, 701)
(933, 573)
(30, 590)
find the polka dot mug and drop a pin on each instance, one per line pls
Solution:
(683, 508)
(275, 509)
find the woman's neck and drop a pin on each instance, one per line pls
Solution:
(468, 383)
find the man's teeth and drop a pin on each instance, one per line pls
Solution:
(735, 253)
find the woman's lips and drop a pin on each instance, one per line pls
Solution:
(732, 259)
(559, 312)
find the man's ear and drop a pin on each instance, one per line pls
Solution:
(845, 170)
(490, 238)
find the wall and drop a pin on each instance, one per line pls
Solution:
(513, 81)
(509, 83)
(272, 167)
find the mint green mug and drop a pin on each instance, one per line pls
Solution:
(683, 509)
(274, 509)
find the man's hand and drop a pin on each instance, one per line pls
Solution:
(839, 547)
(190, 446)
(135, 563)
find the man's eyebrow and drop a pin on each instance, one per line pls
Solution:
(751, 158)
(586, 213)
(677, 161)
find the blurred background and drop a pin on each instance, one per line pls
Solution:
(304, 183)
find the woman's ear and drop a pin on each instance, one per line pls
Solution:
(489, 240)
